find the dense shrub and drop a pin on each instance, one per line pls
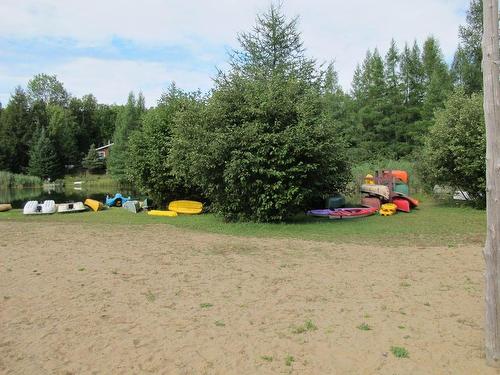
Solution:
(149, 147)
(261, 148)
(454, 153)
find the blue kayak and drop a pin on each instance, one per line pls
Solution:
(320, 213)
(117, 200)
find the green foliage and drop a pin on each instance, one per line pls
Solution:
(127, 121)
(149, 149)
(399, 352)
(15, 133)
(44, 161)
(92, 162)
(466, 67)
(454, 153)
(46, 88)
(261, 148)
(62, 130)
(13, 180)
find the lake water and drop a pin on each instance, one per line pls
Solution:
(18, 197)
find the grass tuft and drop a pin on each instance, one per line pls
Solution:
(306, 327)
(399, 352)
(364, 327)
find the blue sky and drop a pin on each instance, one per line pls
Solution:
(110, 47)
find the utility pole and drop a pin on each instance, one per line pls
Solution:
(491, 82)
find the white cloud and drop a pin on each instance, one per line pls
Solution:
(111, 80)
(332, 30)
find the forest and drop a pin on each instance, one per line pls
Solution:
(276, 132)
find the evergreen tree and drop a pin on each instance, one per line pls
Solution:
(437, 79)
(62, 131)
(92, 162)
(262, 148)
(84, 112)
(127, 121)
(466, 67)
(16, 133)
(44, 161)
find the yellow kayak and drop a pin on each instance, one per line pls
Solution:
(388, 209)
(186, 207)
(5, 207)
(162, 213)
(93, 204)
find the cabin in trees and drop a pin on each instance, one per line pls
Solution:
(103, 151)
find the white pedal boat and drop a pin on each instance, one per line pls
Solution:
(35, 208)
(70, 207)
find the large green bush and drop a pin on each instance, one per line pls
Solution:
(149, 147)
(454, 153)
(261, 148)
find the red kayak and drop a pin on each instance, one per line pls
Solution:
(351, 213)
(402, 204)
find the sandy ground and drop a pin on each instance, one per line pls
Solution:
(131, 300)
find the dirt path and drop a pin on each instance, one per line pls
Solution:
(115, 300)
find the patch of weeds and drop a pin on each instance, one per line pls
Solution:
(114, 272)
(289, 360)
(205, 305)
(399, 352)
(406, 336)
(306, 327)
(81, 269)
(220, 323)
(150, 296)
(364, 327)
(405, 284)
(267, 358)
(427, 304)
(366, 316)
(401, 327)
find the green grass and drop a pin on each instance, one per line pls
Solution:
(306, 327)
(267, 358)
(13, 180)
(220, 323)
(205, 305)
(399, 352)
(364, 327)
(93, 180)
(289, 360)
(433, 224)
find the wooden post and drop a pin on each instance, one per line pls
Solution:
(491, 76)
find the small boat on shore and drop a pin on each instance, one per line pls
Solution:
(376, 190)
(352, 213)
(162, 213)
(319, 213)
(117, 201)
(186, 207)
(70, 207)
(132, 206)
(5, 207)
(93, 204)
(35, 208)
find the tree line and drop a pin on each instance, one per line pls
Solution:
(277, 133)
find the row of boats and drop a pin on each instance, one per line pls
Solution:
(173, 209)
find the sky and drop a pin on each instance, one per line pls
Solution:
(111, 47)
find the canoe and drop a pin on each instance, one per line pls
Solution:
(394, 173)
(186, 207)
(70, 207)
(35, 208)
(5, 207)
(335, 201)
(351, 213)
(376, 190)
(400, 187)
(118, 200)
(132, 206)
(402, 204)
(371, 202)
(162, 213)
(413, 202)
(319, 213)
(93, 204)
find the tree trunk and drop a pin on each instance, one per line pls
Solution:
(491, 59)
